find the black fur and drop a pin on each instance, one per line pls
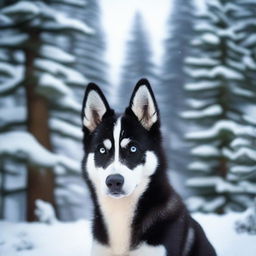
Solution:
(161, 217)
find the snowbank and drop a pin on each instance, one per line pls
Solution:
(74, 238)
(221, 232)
(38, 239)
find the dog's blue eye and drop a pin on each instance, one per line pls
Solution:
(133, 149)
(102, 150)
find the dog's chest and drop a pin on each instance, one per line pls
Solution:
(118, 217)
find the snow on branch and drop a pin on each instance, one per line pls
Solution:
(59, 21)
(205, 151)
(222, 186)
(65, 129)
(223, 125)
(222, 71)
(244, 153)
(201, 61)
(57, 54)
(23, 145)
(13, 40)
(204, 85)
(70, 75)
(214, 110)
(12, 115)
(21, 8)
(80, 3)
(51, 86)
(14, 75)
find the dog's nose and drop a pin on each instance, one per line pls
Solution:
(115, 182)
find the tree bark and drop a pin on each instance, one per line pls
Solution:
(40, 180)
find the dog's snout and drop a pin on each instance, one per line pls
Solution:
(115, 182)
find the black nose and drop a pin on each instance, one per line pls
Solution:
(115, 182)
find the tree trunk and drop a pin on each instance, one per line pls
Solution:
(40, 180)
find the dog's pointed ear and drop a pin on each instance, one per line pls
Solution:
(95, 107)
(143, 104)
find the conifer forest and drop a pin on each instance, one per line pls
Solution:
(203, 73)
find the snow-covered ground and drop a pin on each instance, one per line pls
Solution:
(74, 238)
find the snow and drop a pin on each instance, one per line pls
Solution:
(220, 70)
(210, 38)
(74, 238)
(12, 115)
(198, 166)
(53, 86)
(194, 103)
(23, 145)
(21, 8)
(57, 54)
(59, 21)
(45, 212)
(13, 40)
(249, 41)
(222, 186)
(246, 153)
(243, 92)
(221, 232)
(241, 169)
(222, 125)
(201, 61)
(71, 76)
(39, 239)
(66, 129)
(249, 62)
(205, 151)
(240, 142)
(202, 85)
(80, 3)
(15, 75)
(213, 110)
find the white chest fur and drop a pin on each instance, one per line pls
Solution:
(118, 215)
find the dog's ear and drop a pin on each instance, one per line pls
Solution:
(95, 107)
(143, 104)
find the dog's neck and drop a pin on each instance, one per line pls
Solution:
(118, 216)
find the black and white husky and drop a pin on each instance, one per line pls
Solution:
(136, 211)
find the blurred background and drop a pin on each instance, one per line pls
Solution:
(200, 57)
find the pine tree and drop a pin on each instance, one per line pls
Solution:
(216, 80)
(173, 77)
(138, 63)
(35, 67)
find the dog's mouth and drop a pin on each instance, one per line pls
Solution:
(116, 194)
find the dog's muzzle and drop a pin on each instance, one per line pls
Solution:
(115, 184)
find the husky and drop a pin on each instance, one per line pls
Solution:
(136, 210)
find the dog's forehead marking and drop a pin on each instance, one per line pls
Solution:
(125, 142)
(116, 135)
(107, 143)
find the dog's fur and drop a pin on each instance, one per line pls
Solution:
(141, 214)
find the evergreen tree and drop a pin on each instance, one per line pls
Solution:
(138, 63)
(173, 77)
(217, 78)
(35, 67)
(88, 49)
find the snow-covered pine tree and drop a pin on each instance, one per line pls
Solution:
(242, 154)
(37, 69)
(88, 49)
(137, 63)
(216, 78)
(172, 94)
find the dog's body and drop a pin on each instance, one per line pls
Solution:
(136, 211)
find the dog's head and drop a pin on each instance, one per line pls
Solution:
(121, 151)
